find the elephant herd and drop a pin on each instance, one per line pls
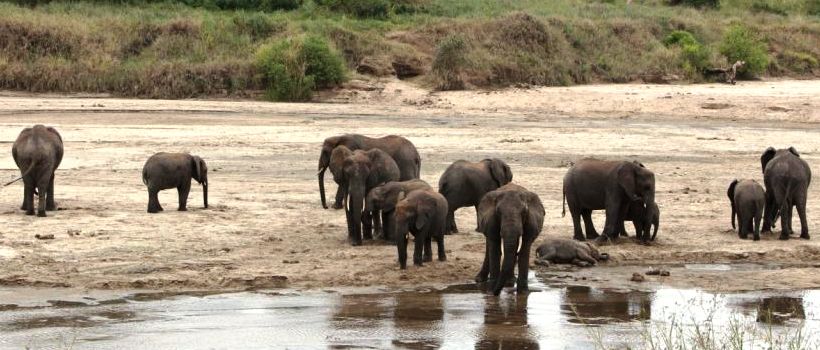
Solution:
(380, 189)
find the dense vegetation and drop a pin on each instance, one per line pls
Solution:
(289, 47)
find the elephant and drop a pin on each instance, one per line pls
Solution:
(643, 218)
(568, 251)
(424, 214)
(383, 198)
(402, 151)
(174, 170)
(514, 216)
(593, 184)
(362, 171)
(38, 152)
(787, 178)
(465, 183)
(748, 200)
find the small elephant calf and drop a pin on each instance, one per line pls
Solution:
(748, 199)
(424, 214)
(174, 170)
(643, 220)
(383, 198)
(568, 251)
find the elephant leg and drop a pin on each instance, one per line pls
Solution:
(769, 211)
(377, 224)
(589, 226)
(367, 225)
(477, 219)
(614, 219)
(523, 266)
(153, 201)
(577, 234)
(495, 260)
(786, 221)
(389, 227)
(419, 249)
(757, 227)
(428, 247)
(42, 188)
(451, 222)
(50, 205)
(801, 212)
(586, 258)
(28, 197)
(401, 243)
(341, 193)
(183, 191)
(743, 230)
(485, 266)
(442, 256)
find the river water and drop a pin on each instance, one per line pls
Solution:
(457, 317)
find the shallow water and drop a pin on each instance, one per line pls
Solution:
(458, 317)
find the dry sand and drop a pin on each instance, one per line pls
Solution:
(266, 222)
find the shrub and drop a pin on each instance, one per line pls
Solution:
(256, 25)
(799, 61)
(742, 44)
(450, 59)
(762, 6)
(259, 5)
(696, 3)
(293, 67)
(813, 7)
(359, 8)
(695, 56)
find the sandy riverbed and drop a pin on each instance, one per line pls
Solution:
(266, 221)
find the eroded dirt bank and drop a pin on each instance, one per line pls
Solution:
(266, 221)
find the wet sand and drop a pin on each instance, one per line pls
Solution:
(266, 227)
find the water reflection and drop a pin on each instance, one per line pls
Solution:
(776, 309)
(586, 305)
(506, 324)
(417, 319)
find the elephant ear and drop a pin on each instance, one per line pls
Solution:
(626, 179)
(794, 151)
(387, 168)
(54, 131)
(638, 163)
(498, 172)
(535, 214)
(423, 211)
(766, 157)
(731, 191)
(338, 156)
(487, 220)
(198, 164)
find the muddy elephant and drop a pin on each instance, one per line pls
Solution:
(593, 184)
(38, 152)
(643, 218)
(787, 178)
(424, 214)
(568, 251)
(163, 171)
(402, 151)
(362, 171)
(748, 200)
(382, 200)
(465, 183)
(512, 217)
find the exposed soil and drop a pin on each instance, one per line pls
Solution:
(266, 227)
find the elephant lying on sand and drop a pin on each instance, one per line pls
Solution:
(787, 178)
(174, 170)
(747, 199)
(382, 199)
(568, 251)
(38, 152)
(465, 183)
(402, 151)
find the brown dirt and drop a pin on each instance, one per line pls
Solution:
(266, 220)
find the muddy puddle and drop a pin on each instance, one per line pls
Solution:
(552, 316)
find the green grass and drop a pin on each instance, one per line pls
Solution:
(169, 50)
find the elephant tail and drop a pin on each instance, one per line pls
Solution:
(145, 176)
(30, 168)
(563, 204)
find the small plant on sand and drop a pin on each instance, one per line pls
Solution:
(695, 57)
(294, 67)
(450, 59)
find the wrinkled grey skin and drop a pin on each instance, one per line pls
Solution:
(164, 171)
(424, 214)
(508, 216)
(383, 198)
(568, 251)
(402, 151)
(748, 200)
(787, 178)
(38, 152)
(361, 172)
(643, 218)
(465, 183)
(593, 184)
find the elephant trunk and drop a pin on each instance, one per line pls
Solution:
(322, 186)
(507, 266)
(656, 221)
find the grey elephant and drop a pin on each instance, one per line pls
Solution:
(568, 251)
(512, 217)
(163, 171)
(644, 218)
(748, 200)
(465, 183)
(402, 151)
(382, 200)
(424, 214)
(787, 178)
(593, 184)
(362, 171)
(38, 152)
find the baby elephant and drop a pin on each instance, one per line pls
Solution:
(748, 199)
(383, 198)
(643, 220)
(424, 214)
(174, 170)
(568, 251)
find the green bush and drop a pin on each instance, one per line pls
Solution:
(763, 6)
(799, 61)
(695, 56)
(813, 7)
(696, 3)
(257, 25)
(742, 44)
(450, 59)
(294, 67)
(359, 8)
